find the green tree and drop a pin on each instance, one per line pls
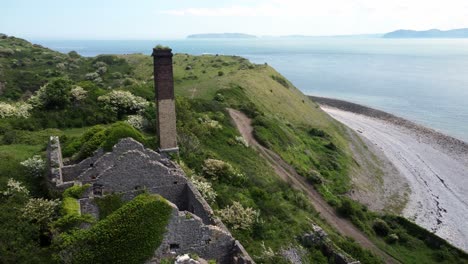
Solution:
(57, 94)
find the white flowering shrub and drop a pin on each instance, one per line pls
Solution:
(135, 121)
(38, 99)
(19, 110)
(210, 123)
(205, 189)
(218, 169)
(78, 93)
(92, 76)
(35, 166)
(238, 217)
(241, 140)
(15, 187)
(123, 102)
(40, 210)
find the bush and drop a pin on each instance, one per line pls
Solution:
(392, 238)
(238, 217)
(35, 166)
(18, 110)
(350, 209)
(205, 189)
(223, 171)
(281, 80)
(220, 73)
(129, 235)
(118, 131)
(99, 136)
(54, 95)
(315, 132)
(123, 102)
(109, 204)
(76, 191)
(381, 227)
(39, 210)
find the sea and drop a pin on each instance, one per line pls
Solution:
(423, 80)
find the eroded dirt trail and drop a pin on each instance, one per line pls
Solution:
(289, 174)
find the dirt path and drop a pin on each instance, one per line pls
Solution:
(289, 174)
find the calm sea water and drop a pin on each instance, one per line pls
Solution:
(423, 80)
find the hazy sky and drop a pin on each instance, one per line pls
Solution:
(158, 19)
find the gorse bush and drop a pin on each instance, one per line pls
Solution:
(129, 235)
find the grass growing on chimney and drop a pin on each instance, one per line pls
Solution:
(129, 235)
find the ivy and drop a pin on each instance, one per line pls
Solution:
(129, 235)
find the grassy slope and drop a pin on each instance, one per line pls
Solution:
(202, 77)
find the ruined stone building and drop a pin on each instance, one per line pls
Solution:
(131, 168)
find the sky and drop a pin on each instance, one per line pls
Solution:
(172, 19)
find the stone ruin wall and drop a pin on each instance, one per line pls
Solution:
(129, 169)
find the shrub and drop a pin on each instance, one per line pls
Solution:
(39, 210)
(109, 204)
(205, 189)
(19, 110)
(350, 208)
(238, 217)
(392, 238)
(76, 191)
(15, 187)
(218, 169)
(54, 95)
(78, 93)
(281, 80)
(381, 227)
(123, 102)
(220, 73)
(99, 136)
(35, 166)
(118, 131)
(315, 132)
(129, 235)
(135, 121)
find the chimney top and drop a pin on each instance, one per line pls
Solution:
(161, 51)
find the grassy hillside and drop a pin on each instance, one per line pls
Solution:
(284, 121)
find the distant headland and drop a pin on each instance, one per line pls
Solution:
(221, 35)
(433, 33)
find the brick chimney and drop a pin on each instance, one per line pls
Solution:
(164, 85)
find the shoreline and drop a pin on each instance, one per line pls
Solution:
(444, 140)
(435, 165)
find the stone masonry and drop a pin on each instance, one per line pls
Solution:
(130, 169)
(164, 85)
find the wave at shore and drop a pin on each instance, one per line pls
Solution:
(434, 164)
